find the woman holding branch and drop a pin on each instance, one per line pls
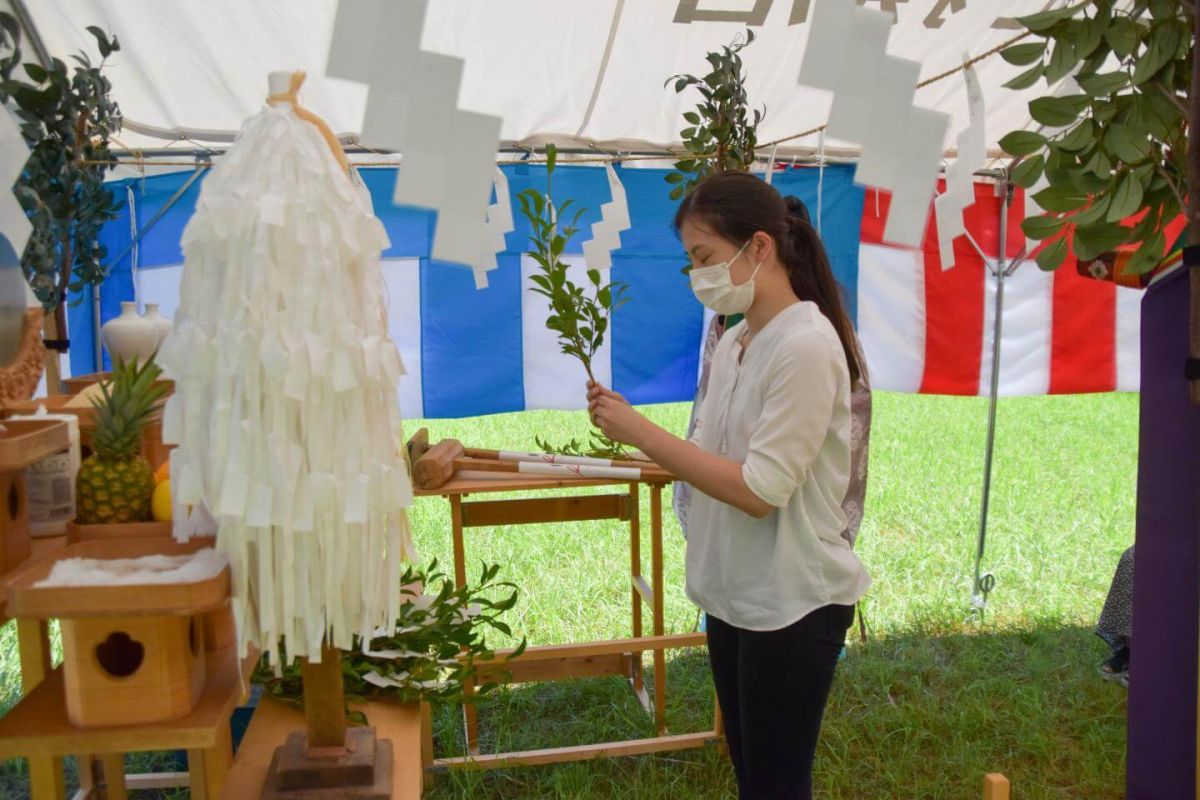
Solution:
(770, 460)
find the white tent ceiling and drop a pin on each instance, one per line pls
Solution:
(535, 63)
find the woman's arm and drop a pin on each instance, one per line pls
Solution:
(719, 478)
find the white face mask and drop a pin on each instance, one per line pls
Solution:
(714, 287)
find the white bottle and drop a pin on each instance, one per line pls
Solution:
(51, 482)
(130, 337)
(161, 324)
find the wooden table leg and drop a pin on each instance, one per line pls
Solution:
(427, 776)
(85, 765)
(33, 640)
(46, 780)
(470, 714)
(198, 775)
(719, 725)
(635, 562)
(217, 761)
(656, 570)
(114, 777)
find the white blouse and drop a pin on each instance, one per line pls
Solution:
(784, 412)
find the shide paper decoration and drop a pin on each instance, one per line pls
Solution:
(960, 182)
(872, 106)
(499, 223)
(285, 410)
(606, 234)
(13, 154)
(449, 155)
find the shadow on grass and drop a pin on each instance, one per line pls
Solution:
(922, 715)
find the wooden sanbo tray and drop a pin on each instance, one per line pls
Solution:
(25, 601)
(28, 441)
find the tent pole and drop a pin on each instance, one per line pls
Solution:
(32, 34)
(984, 582)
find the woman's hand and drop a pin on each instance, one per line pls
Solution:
(614, 416)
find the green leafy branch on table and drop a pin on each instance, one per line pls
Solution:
(597, 446)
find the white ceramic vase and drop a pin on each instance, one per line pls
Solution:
(130, 337)
(161, 324)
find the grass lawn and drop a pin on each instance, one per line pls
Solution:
(934, 699)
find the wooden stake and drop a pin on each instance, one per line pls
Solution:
(325, 702)
(995, 787)
(53, 374)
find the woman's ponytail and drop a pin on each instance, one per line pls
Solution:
(811, 276)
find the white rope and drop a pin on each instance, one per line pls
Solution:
(133, 237)
(820, 176)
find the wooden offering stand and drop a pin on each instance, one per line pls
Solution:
(132, 654)
(197, 646)
(23, 443)
(450, 470)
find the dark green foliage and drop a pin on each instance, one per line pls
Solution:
(1118, 147)
(444, 632)
(721, 132)
(66, 118)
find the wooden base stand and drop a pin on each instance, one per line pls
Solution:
(363, 771)
(328, 760)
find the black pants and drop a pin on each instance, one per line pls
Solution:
(772, 687)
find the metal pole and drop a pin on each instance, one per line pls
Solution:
(97, 349)
(32, 34)
(984, 582)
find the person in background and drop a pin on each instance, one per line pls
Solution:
(770, 463)
(1116, 621)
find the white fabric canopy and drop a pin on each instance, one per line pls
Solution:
(539, 64)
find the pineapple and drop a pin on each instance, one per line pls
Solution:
(115, 483)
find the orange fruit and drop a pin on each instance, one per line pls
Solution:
(160, 504)
(163, 473)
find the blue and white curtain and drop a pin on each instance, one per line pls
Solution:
(470, 352)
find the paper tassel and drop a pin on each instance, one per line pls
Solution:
(960, 179)
(872, 91)
(499, 223)
(412, 107)
(606, 234)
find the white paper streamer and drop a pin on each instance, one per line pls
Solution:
(449, 154)
(606, 234)
(13, 154)
(901, 144)
(553, 458)
(286, 426)
(960, 183)
(579, 471)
